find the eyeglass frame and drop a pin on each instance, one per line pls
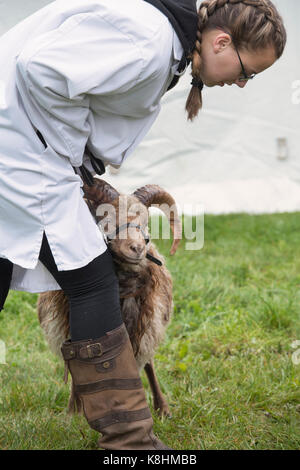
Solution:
(246, 77)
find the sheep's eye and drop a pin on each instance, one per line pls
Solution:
(147, 240)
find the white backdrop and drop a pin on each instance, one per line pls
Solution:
(228, 159)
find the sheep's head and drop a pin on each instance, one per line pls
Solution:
(124, 219)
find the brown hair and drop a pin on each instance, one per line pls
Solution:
(253, 25)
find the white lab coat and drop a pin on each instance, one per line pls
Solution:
(82, 72)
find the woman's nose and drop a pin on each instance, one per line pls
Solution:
(241, 84)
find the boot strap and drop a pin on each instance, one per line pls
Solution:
(90, 349)
(120, 417)
(87, 351)
(109, 384)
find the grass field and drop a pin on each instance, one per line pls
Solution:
(226, 366)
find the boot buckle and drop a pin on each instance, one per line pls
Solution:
(94, 350)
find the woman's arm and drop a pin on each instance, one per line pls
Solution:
(59, 70)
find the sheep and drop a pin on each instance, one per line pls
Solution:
(145, 282)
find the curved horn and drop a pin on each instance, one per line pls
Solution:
(101, 192)
(154, 194)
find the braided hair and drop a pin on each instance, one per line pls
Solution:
(253, 25)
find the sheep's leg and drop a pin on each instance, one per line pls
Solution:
(74, 405)
(159, 402)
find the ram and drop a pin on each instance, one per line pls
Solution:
(145, 282)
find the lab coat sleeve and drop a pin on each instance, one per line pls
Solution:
(58, 71)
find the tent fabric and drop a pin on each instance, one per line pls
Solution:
(229, 159)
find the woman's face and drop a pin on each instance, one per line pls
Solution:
(220, 61)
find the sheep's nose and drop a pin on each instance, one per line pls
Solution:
(136, 248)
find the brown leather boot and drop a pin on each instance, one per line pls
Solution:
(107, 382)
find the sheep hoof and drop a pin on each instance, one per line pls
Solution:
(163, 411)
(74, 406)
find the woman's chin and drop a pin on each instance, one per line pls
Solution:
(213, 82)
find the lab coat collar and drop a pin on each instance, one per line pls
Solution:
(183, 16)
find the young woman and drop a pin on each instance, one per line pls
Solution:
(81, 84)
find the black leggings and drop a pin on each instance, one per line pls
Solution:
(92, 291)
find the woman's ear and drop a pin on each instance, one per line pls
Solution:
(221, 42)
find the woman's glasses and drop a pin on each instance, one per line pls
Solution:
(244, 77)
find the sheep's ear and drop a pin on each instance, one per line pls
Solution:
(154, 194)
(101, 192)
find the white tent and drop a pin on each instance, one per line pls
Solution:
(241, 155)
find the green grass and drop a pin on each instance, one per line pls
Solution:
(226, 363)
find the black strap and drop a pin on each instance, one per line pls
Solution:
(85, 174)
(153, 259)
(97, 165)
(173, 82)
(41, 138)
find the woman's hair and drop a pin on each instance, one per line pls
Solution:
(252, 24)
